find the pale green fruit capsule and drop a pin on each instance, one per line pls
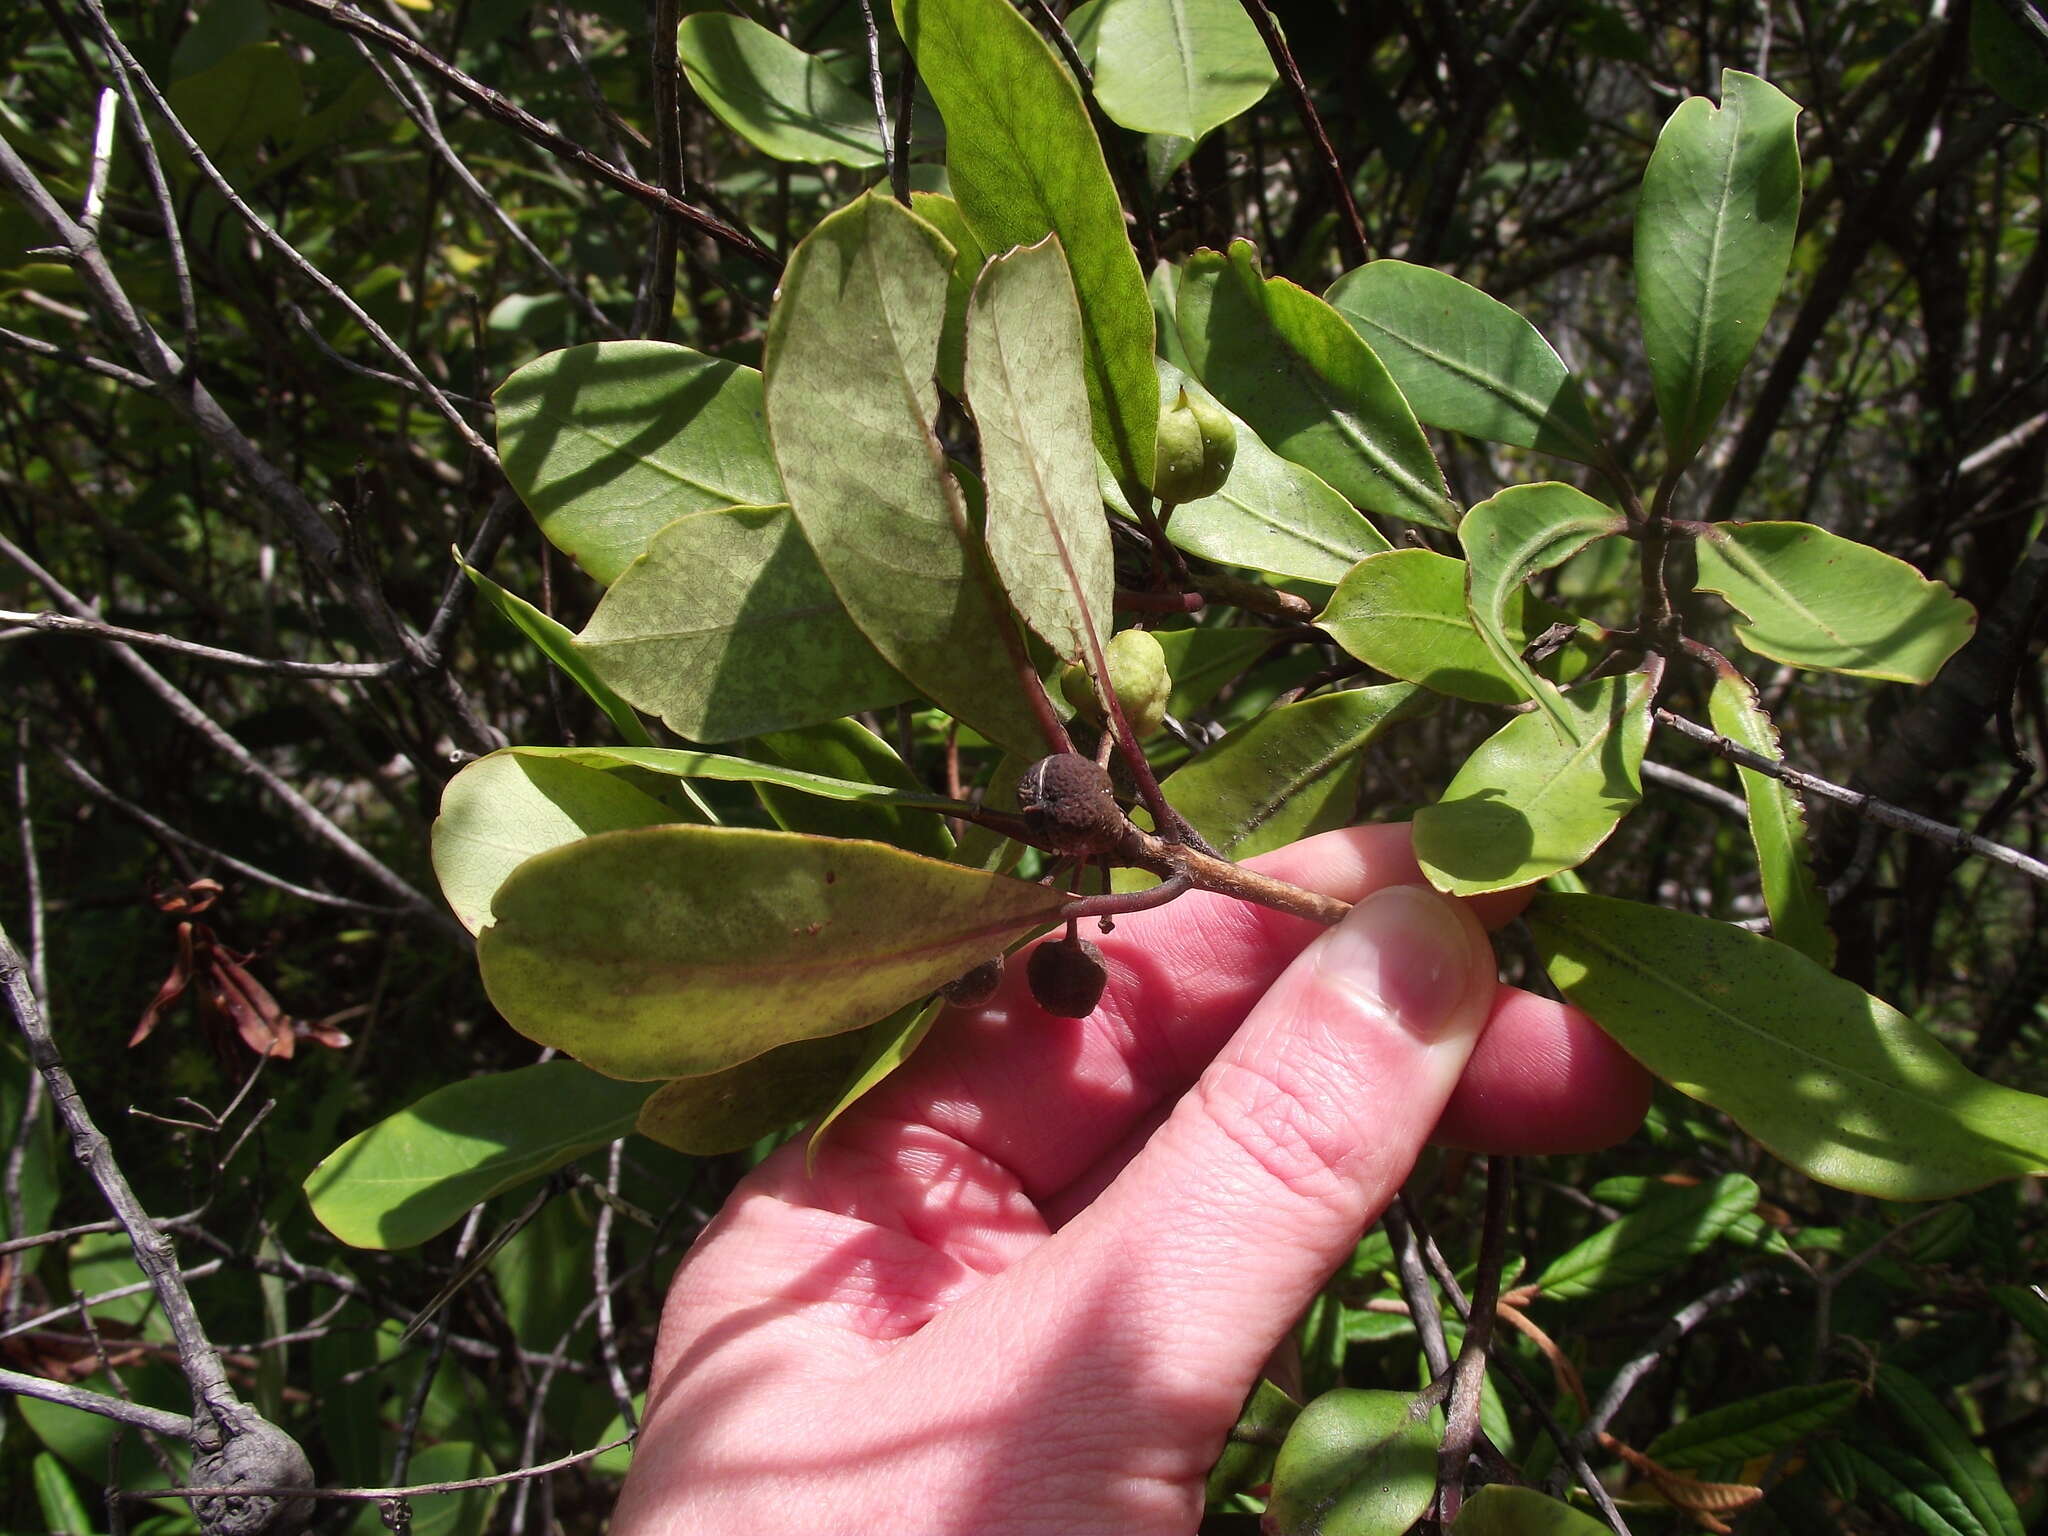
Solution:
(1196, 446)
(1137, 671)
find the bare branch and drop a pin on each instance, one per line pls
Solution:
(156, 1420)
(65, 624)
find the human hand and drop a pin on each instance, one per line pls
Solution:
(1037, 1271)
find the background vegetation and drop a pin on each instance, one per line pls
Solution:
(251, 410)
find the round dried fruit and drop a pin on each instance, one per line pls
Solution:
(1068, 977)
(1069, 805)
(977, 986)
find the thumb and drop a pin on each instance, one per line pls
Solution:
(1220, 1231)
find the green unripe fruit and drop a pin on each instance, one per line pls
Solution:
(1137, 671)
(1196, 446)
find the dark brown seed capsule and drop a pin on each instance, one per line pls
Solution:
(1069, 805)
(1068, 977)
(977, 986)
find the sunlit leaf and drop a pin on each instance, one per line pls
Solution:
(726, 627)
(1311, 388)
(1672, 1225)
(501, 810)
(1816, 599)
(1404, 613)
(1047, 536)
(1178, 67)
(419, 1171)
(778, 98)
(944, 215)
(1024, 162)
(729, 1111)
(1834, 1081)
(851, 350)
(1777, 823)
(609, 443)
(680, 951)
(1465, 361)
(885, 1047)
(1355, 1463)
(1518, 533)
(849, 751)
(557, 642)
(1715, 223)
(1501, 1510)
(1528, 804)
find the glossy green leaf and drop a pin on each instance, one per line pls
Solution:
(781, 100)
(501, 810)
(729, 1111)
(1672, 1225)
(419, 1171)
(1355, 1463)
(557, 642)
(1715, 223)
(1528, 804)
(1465, 361)
(1777, 823)
(849, 751)
(1948, 1447)
(1311, 388)
(851, 350)
(1203, 662)
(885, 1047)
(1046, 533)
(1178, 67)
(1291, 771)
(1404, 613)
(681, 764)
(1254, 1442)
(1500, 1510)
(1756, 1426)
(1271, 514)
(1518, 533)
(726, 627)
(680, 951)
(944, 215)
(1815, 599)
(1835, 1082)
(609, 443)
(1023, 162)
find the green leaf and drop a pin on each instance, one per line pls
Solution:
(502, 809)
(419, 1171)
(680, 951)
(1404, 613)
(1671, 1226)
(1714, 229)
(609, 443)
(467, 1513)
(1254, 1442)
(1203, 661)
(1291, 771)
(557, 642)
(1355, 1463)
(848, 751)
(2028, 1309)
(63, 1510)
(253, 94)
(729, 1111)
(1178, 66)
(1815, 599)
(1527, 805)
(681, 764)
(1293, 368)
(2008, 59)
(1911, 1487)
(1465, 361)
(1270, 514)
(851, 350)
(778, 98)
(1023, 162)
(1777, 823)
(1835, 1082)
(1756, 1426)
(1969, 1473)
(1499, 1510)
(944, 215)
(1518, 533)
(726, 627)
(886, 1047)
(1046, 533)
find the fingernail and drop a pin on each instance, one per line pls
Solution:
(1406, 950)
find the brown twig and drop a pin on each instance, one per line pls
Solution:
(1461, 1427)
(1350, 227)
